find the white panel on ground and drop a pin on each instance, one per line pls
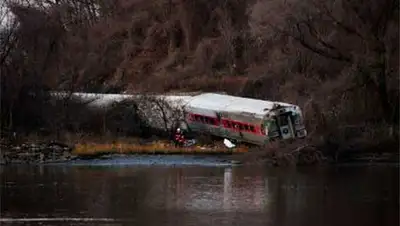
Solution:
(229, 144)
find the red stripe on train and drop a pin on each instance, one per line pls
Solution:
(226, 123)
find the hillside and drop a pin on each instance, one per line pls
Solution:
(337, 60)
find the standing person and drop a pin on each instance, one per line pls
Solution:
(179, 138)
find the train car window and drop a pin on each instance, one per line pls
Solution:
(219, 117)
(241, 126)
(273, 125)
(283, 120)
(213, 121)
(198, 118)
(229, 124)
(246, 127)
(252, 129)
(262, 129)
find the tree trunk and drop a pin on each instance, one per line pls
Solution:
(382, 86)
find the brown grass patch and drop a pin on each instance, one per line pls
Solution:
(153, 148)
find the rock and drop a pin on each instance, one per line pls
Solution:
(66, 155)
(41, 158)
(35, 153)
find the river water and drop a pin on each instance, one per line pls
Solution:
(96, 194)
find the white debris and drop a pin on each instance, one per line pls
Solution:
(229, 144)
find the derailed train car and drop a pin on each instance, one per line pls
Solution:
(235, 118)
(243, 119)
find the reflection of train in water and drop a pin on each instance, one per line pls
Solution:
(211, 189)
(235, 118)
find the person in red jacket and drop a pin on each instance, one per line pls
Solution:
(179, 138)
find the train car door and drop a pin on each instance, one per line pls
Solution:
(285, 125)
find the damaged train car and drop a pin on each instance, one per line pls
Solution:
(234, 118)
(243, 119)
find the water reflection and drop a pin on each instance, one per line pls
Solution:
(227, 188)
(204, 196)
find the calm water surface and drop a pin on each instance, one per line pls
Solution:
(194, 195)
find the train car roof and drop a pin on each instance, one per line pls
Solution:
(220, 102)
(206, 101)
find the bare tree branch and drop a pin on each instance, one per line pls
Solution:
(299, 36)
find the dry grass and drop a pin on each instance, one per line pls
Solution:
(153, 148)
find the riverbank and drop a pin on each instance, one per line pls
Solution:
(301, 152)
(279, 154)
(31, 152)
(89, 150)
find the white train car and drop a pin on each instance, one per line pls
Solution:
(236, 118)
(243, 119)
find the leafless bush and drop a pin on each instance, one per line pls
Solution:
(161, 113)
